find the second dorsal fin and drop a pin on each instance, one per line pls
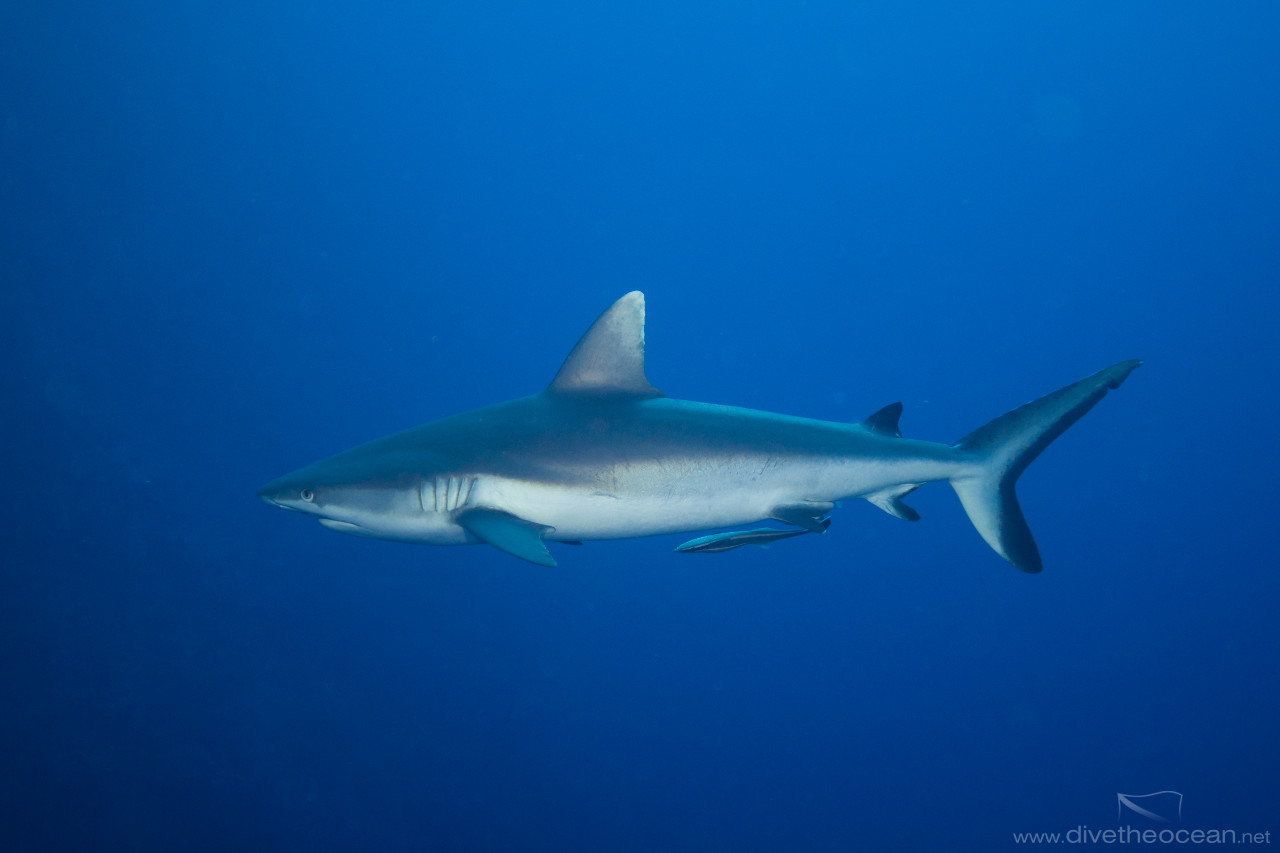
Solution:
(609, 359)
(885, 421)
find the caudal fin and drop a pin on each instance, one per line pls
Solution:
(1006, 446)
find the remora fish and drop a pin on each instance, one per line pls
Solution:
(602, 454)
(761, 536)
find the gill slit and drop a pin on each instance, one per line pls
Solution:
(448, 493)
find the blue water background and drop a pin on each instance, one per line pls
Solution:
(238, 237)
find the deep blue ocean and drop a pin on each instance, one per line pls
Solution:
(239, 237)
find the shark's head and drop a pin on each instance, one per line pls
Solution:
(361, 493)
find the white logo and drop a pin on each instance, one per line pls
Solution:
(1162, 805)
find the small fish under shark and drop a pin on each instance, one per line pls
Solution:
(760, 536)
(602, 454)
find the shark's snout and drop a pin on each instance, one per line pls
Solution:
(285, 494)
(270, 492)
(264, 494)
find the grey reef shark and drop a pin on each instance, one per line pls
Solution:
(602, 454)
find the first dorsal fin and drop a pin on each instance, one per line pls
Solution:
(609, 359)
(885, 421)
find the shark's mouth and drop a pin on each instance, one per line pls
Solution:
(273, 502)
(343, 527)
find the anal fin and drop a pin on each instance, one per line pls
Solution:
(890, 500)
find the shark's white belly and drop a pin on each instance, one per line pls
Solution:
(627, 500)
(660, 500)
(580, 514)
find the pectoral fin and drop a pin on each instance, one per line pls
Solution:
(509, 533)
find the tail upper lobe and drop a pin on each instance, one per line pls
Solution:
(1006, 446)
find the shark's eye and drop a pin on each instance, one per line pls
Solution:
(307, 495)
